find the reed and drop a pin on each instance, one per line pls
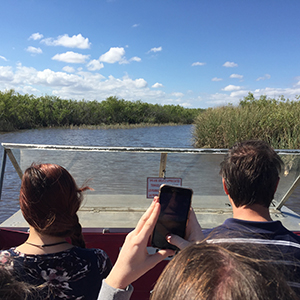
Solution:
(276, 121)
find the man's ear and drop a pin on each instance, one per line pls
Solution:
(224, 186)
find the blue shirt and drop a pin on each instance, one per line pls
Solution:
(283, 245)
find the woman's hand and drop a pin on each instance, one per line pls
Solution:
(134, 260)
(193, 233)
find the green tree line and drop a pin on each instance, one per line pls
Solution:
(276, 121)
(28, 111)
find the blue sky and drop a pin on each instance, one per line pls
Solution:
(195, 53)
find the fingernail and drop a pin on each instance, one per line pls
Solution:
(168, 237)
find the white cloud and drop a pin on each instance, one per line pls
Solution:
(230, 64)
(76, 41)
(36, 36)
(113, 55)
(71, 57)
(2, 57)
(135, 25)
(6, 74)
(29, 90)
(68, 69)
(135, 58)
(85, 85)
(177, 94)
(157, 85)
(94, 65)
(238, 76)
(186, 104)
(239, 94)
(217, 79)
(78, 84)
(155, 49)
(231, 87)
(34, 50)
(235, 96)
(219, 99)
(51, 78)
(198, 64)
(25, 75)
(140, 83)
(277, 92)
(267, 76)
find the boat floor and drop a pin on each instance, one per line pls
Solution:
(120, 213)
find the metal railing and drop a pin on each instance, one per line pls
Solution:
(10, 147)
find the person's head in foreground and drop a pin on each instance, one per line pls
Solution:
(11, 289)
(250, 173)
(50, 199)
(206, 271)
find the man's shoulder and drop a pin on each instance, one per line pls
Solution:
(230, 226)
(233, 228)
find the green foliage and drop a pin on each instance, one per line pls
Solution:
(275, 121)
(27, 111)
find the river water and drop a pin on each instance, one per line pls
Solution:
(162, 136)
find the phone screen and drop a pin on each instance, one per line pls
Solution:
(175, 205)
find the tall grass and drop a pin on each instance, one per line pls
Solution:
(276, 121)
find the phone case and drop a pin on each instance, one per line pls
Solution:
(175, 206)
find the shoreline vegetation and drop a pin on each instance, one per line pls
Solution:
(121, 126)
(30, 112)
(276, 121)
(100, 126)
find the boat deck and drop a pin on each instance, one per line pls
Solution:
(120, 213)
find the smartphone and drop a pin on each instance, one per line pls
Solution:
(175, 204)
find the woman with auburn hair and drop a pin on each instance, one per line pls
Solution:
(49, 201)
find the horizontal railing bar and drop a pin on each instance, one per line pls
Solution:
(130, 149)
(111, 149)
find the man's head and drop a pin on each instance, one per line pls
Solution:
(251, 172)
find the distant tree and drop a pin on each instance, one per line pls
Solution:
(28, 111)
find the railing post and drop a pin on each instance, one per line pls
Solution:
(163, 165)
(288, 193)
(2, 171)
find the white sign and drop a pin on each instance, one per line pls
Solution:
(153, 184)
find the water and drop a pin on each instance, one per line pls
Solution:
(164, 136)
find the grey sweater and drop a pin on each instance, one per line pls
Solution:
(109, 293)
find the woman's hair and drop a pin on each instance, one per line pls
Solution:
(213, 272)
(50, 199)
(12, 289)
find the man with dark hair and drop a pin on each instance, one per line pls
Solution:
(250, 175)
